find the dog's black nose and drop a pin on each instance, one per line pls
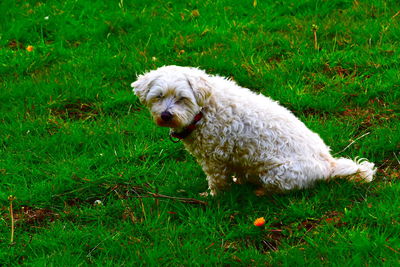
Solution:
(166, 116)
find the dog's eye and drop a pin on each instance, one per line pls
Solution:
(159, 96)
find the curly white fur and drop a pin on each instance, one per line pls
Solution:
(241, 133)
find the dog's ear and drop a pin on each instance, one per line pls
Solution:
(201, 88)
(142, 85)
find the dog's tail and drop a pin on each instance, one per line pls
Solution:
(358, 169)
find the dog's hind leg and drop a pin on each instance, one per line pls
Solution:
(294, 175)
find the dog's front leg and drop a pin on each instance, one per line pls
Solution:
(217, 177)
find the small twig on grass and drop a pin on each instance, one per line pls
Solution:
(11, 198)
(143, 209)
(352, 142)
(398, 161)
(315, 29)
(101, 242)
(128, 209)
(392, 249)
(136, 189)
(157, 202)
(141, 193)
(269, 245)
(395, 15)
(181, 199)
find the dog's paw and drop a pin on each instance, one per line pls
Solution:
(212, 193)
(204, 194)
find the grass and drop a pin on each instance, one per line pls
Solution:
(72, 132)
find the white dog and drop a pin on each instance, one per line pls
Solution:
(233, 132)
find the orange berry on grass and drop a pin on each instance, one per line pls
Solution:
(259, 222)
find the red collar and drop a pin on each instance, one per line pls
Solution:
(187, 130)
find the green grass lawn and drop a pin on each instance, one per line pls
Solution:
(72, 132)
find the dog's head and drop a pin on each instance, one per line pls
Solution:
(174, 95)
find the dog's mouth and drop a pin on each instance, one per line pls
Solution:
(170, 124)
